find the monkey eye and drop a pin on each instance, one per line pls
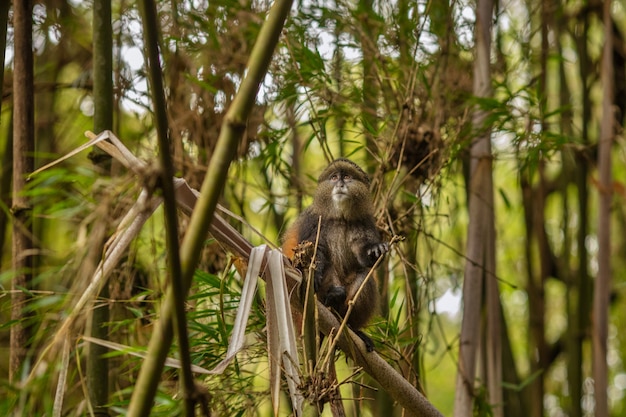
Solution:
(344, 177)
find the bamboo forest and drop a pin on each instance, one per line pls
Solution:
(313, 208)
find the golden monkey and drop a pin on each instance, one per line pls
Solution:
(349, 242)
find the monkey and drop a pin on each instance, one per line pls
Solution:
(349, 242)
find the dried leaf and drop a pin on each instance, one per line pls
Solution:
(287, 350)
(243, 311)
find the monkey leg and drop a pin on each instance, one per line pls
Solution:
(369, 343)
(366, 305)
(332, 293)
(363, 308)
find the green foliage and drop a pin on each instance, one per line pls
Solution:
(215, 301)
(312, 108)
(482, 408)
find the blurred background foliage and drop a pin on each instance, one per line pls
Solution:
(387, 84)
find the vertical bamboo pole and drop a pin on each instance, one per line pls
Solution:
(601, 300)
(23, 164)
(97, 365)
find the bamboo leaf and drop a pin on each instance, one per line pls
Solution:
(171, 362)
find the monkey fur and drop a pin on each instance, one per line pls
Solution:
(349, 242)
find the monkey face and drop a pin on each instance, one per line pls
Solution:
(343, 191)
(340, 193)
(348, 195)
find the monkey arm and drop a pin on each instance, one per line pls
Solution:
(299, 246)
(367, 245)
(321, 261)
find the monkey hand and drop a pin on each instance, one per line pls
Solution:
(376, 251)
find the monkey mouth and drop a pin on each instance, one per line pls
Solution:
(339, 194)
(341, 201)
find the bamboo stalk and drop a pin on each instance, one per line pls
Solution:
(23, 164)
(602, 291)
(97, 366)
(151, 36)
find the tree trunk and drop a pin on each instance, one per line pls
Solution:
(23, 164)
(602, 291)
(512, 400)
(480, 264)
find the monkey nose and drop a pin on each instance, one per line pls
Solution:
(339, 194)
(340, 188)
